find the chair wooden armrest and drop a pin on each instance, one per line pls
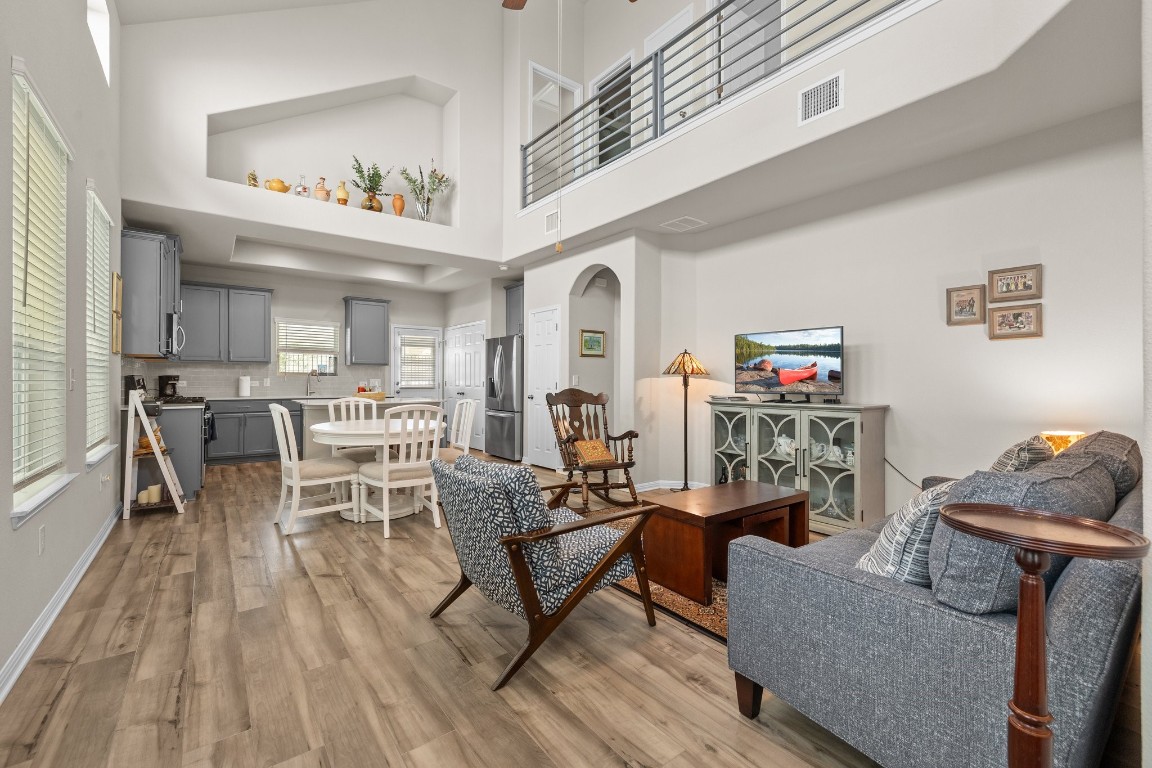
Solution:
(629, 435)
(560, 497)
(543, 534)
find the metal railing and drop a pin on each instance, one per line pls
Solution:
(730, 49)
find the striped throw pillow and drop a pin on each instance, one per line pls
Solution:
(1024, 455)
(901, 552)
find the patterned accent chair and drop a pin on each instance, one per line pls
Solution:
(537, 560)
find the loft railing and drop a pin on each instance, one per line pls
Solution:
(730, 49)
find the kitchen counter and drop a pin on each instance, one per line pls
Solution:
(167, 407)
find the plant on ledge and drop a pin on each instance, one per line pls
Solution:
(426, 190)
(370, 182)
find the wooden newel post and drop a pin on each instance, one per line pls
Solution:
(1029, 737)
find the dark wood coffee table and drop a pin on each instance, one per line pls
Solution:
(686, 541)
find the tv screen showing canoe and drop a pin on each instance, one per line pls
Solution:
(804, 362)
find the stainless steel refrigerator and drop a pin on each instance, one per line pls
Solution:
(503, 420)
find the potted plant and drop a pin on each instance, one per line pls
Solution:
(370, 182)
(425, 190)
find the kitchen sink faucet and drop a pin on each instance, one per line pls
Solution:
(308, 391)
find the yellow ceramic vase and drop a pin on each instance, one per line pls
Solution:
(276, 185)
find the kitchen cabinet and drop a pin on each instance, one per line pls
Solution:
(245, 431)
(835, 452)
(514, 309)
(366, 339)
(205, 322)
(150, 265)
(249, 325)
(226, 324)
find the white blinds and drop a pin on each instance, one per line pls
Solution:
(418, 361)
(39, 216)
(97, 321)
(303, 346)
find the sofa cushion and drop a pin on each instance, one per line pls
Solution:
(1119, 454)
(519, 485)
(1024, 455)
(901, 552)
(979, 576)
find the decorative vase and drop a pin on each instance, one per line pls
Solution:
(398, 203)
(321, 192)
(276, 185)
(372, 203)
(424, 208)
(301, 188)
(342, 194)
(252, 180)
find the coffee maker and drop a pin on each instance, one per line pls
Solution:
(168, 386)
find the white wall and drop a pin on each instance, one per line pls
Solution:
(878, 259)
(597, 308)
(405, 131)
(613, 30)
(178, 73)
(52, 37)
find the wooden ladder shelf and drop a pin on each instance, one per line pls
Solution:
(138, 419)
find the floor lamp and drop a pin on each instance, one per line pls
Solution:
(686, 365)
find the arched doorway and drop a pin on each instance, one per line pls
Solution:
(594, 305)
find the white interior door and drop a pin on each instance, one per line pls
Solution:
(464, 373)
(543, 376)
(415, 369)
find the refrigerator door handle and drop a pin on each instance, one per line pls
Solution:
(498, 372)
(501, 414)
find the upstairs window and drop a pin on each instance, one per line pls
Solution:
(97, 322)
(303, 346)
(39, 279)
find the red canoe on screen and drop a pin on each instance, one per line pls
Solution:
(793, 375)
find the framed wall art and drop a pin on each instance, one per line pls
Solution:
(1020, 321)
(965, 305)
(591, 343)
(1016, 283)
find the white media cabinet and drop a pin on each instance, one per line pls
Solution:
(795, 445)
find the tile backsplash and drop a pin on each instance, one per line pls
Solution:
(222, 379)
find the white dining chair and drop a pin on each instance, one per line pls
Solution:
(349, 409)
(414, 433)
(297, 473)
(459, 431)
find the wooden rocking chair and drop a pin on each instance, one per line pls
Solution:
(580, 422)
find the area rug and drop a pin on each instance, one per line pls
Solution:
(711, 620)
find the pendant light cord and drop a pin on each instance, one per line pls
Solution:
(560, 127)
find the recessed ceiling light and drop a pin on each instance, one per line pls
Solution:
(503, 267)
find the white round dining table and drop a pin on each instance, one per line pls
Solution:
(362, 433)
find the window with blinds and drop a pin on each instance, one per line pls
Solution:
(97, 322)
(303, 346)
(39, 261)
(417, 362)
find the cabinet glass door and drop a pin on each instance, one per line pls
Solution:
(730, 438)
(830, 469)
(776, 448)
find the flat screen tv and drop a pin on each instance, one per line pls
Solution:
(809, 361)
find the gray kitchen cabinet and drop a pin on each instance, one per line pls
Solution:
(259, 435)
(245, 431)
(249, 325)
(366, 339)
(205, 322)
(150, 264)
(182, 430)
(229, 442)
(514, 309)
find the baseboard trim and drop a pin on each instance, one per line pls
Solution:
(23, 653)
(674, 485)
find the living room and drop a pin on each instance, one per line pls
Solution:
(1024, 149)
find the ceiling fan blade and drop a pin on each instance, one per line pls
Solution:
(514, 5)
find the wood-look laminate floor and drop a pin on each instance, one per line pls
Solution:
(210, 639)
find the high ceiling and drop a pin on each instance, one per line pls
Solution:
(145, 11)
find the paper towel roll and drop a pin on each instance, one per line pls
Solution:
(245, 386)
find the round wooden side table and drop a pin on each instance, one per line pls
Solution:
(1037, 535)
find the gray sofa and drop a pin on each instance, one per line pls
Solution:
(910, 681)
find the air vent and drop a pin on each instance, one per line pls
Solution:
(822, 98)
(683, 224)
(551, 222)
